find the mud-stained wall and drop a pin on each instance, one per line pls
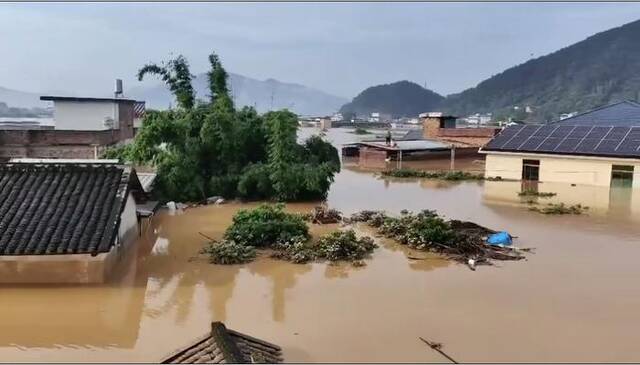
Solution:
(572, 170)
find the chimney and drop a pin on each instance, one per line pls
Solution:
(118, 91)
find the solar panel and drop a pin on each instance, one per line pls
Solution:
(567, 139)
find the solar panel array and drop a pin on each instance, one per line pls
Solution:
(569, 139)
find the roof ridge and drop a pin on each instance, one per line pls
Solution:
(625, 101)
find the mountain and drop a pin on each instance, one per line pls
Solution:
(399, 99)
(20, 99)
(264, 95)
(599, 70)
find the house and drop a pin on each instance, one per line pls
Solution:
(225, 346)
(623, 113)
(84, 127)
(442, 127)
(66, 222)
(600, 147)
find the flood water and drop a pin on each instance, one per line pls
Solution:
(575, 299)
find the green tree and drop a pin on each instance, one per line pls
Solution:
(175, 73)
(211, 148)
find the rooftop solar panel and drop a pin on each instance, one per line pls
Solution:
(583, 140)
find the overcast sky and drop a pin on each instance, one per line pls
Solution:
(340, 48)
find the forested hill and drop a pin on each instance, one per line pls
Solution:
(400, 99)
(599, 70)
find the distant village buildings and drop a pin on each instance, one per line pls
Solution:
(443, 127)
(599, 147)
(83, 127)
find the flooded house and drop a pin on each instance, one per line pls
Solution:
(439, 141)
(66, 222)
(442, 127)
(224, 346)
(600, 147)
(83, 127)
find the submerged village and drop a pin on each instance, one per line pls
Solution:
(209, 232)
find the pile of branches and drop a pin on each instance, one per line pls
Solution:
(461, 241)
(323, 215)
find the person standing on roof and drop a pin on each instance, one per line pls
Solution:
(388, 139)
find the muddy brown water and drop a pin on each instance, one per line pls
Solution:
(575, 299)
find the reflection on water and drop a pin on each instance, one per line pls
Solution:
(575, 299)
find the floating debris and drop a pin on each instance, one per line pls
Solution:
(458, 240)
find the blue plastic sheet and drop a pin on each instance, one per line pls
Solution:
(500, 239)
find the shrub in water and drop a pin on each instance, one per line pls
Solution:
(344, 246)
(229, 252)
(266, 226)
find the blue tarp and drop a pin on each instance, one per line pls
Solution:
(500, 239)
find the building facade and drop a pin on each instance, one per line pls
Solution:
(82, 128)
(600, 147)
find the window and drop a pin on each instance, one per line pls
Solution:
(530, 170)
(621, 176)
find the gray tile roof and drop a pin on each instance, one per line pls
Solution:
(48, 209)
(222, 345)
(623, 114)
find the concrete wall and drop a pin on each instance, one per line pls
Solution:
(564, 169)
(85, 115)
(77, 268)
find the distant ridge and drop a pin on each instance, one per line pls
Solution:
(399, 99)
(264, 95)
(600, 70)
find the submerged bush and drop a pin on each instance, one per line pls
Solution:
(418, 230)
(560, 208)
(266, 226)
(458, 240)
(229, 252)
(344, 246)
(444, 175)
(534, 193)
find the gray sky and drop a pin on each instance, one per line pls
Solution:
(340, 48)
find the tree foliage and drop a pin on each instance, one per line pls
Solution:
(211, 148)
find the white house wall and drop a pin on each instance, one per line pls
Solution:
(83, 116)
(564, 169)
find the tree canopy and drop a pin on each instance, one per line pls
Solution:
(201, 149)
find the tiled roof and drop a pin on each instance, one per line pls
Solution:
(623, 114)
(222, 345)
(48, 209)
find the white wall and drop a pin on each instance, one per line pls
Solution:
(564, 169)
(85, 115)
(128, 222)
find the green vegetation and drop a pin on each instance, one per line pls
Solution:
(534, 193)
(399, 99)
(266, 226)
(444, 175)
(286, 234)
(228, 252)
(460, 241)
(206, 148)
(586, 75)
(560, 208)
(335, 246)
(344, 246)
